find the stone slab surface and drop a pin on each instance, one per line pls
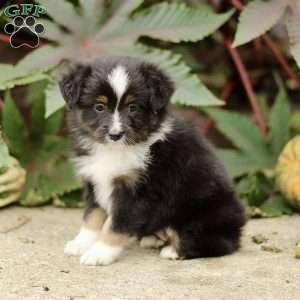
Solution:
(33, 265)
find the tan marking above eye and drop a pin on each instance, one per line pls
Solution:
(102, 99)
(129, 99)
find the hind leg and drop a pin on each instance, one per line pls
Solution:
(151, 241)
(192, 243)
(155, 241)
(171, 251)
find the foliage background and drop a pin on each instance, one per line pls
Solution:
(255, 86)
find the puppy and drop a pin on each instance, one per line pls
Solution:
(147, 174)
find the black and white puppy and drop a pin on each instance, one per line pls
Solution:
(147, 174)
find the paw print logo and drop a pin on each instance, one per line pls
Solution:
(19, 26)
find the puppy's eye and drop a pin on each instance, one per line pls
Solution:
(99, 107)
(132, 108)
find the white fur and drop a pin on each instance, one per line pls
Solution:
(108, 161)
(118, 80)
(100, 254)
(169, 252)
(116, 127)
(82, 242)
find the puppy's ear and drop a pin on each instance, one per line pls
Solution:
(160, 85)
(72, 83)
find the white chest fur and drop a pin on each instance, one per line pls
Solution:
(109, 161)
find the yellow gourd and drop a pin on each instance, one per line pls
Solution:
(11, 183)
(288, 172)
(298, 250)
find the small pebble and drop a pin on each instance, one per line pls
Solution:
(259, 239)
(269, 248)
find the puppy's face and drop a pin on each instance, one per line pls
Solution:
(119, 100)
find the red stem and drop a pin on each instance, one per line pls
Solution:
(237, 4)
(258, 54)
(247, 85)
(227, 91)
(276, 53)
(281, 60)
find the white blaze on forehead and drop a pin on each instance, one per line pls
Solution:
(118, 79)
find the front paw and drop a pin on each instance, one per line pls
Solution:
(82, 242)
(76, 247)
(169, 252)
(100, 254)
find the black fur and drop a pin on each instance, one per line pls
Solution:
(187, 189)
(184, 187)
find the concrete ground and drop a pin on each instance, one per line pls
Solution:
(33, 266)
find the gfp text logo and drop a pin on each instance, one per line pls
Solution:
(24, 21)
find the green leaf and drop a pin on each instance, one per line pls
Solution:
(238, 163)
(293, 26)
(276, 206)
(50, 173)
(257, 18)
(10, 76)
(30, 78)
(255, 188)
(54, 99)
(263, 105)
(5, 159)
(7, 72)
(279, 123)
(54, 122)
(64, 13)
(92, 12)
(169, 21)
(295, 122)
(243, 133)
(59, 181)
(120, 13)
(36, 97)
(14, 128)
(35, 91)
(72, 199)
(43, 59)
(52, 32)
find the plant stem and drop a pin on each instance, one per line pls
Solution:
(227, 91)
(237, 4)
(247, 85)
(281, 60)
(276, 53)
(258, 54)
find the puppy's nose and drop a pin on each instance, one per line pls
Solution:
(116, 136)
